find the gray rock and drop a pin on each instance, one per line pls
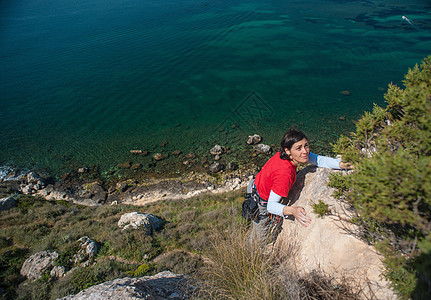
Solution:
(38, 263)
(32, 177)
(34, 183)
(217, 150)
(58, 272)
(83, 170)
(262, 148)
(7, 203)
(254, 139)
(27, 189)
(87, 251)
(135, 220)
(216, 167)
(164, 285)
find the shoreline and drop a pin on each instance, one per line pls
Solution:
(187, 176)
(168, 176)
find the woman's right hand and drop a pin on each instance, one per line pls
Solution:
(299, 213)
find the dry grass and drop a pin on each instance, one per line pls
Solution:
(239, 268)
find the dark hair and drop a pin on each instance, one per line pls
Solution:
(291, 137)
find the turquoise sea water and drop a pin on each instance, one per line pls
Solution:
(82, 82)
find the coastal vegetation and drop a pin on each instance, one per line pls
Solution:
(391, 186)
(203, 237)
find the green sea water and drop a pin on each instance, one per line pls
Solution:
(83, 82)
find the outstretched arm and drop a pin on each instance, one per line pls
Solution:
(328, 162)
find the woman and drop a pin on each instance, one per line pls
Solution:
(276, 179)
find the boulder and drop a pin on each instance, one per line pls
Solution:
(87, 251)
(329, 244)
(164, 285)
(58, 272)
(190, 155)
(136, 152)
(32, 177)
(216, 167)
(262, 148)
(125, 165)
(83, 170)
(159, 156)
(345, 93)
(176, 152)
(254, 139)
(38, 263)
(34, 183)
(136, 166)
(134, 220)
(217, 150)
(7, 203)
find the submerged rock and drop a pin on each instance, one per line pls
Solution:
(254, 139)
(262, 148)
(216, 167)
(159, 156)
(217, 150)
(125, 165)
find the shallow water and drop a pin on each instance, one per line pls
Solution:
(83, 82)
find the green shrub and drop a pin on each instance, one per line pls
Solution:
(142, 270)
(321, 208)
(391, 186)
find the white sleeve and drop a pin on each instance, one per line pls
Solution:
(324, 161)
(274, 206)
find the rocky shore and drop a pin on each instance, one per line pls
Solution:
(221, 169)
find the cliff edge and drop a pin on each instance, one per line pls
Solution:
(330, 243)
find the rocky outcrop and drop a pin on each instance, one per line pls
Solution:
(87, 251)
(330, 244)
(164, 285)
(34, 183)
(7, 203)
(38, 263)
(134, 220)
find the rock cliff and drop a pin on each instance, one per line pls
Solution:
(329, 244)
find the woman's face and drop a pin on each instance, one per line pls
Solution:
(299, 152)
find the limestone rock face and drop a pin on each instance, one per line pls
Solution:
(148, 222)
(164, 285)
(7, 203)
(38, 263)
(328, 244)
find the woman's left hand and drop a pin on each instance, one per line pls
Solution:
(299, 213)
